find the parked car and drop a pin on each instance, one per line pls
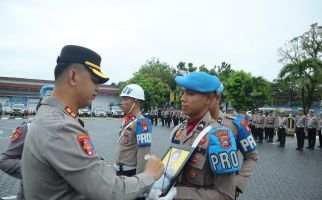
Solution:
(7, 110)
(19, 110)
(99, 112)
(84, 112)
(115, 111)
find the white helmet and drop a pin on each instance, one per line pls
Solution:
(133, 90)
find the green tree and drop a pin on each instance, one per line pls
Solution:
(155, 90)
(237, 89)
(260, 92)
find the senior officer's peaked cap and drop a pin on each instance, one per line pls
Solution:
(85, 56)
(200, 82)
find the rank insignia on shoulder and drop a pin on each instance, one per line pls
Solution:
(201, 126)
(219, 120)
(16, 135)
(69, 111)
(230, 116)
(86, 144)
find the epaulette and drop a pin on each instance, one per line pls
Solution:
(232, 117)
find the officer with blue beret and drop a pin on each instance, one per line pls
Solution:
(203, 177)
(59, 160)
(11, 157)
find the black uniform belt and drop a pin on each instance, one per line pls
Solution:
(311, 127)
(259, 123)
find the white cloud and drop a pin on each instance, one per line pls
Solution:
(246, 34)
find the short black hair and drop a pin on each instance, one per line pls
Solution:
(60, 69)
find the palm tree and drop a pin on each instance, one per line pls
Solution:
(259, 89)
(306, 74)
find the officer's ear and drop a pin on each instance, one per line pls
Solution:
(72, 77)
(210, 98)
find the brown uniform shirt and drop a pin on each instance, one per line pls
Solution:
(270, 121)
(300, 121)
(127, 150)
(282, 122)
(250, 159)
(260, 121)
(197, 180)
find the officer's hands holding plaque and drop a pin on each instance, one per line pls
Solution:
(154, 167)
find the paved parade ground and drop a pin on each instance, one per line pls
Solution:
(280, 174)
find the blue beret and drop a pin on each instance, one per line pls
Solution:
(200, 82)
(46, 90)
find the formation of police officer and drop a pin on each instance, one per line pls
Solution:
(135, 135)
(59, 160)
(202, 177)
(10, 160)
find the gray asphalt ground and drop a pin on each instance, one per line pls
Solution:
(282, 173)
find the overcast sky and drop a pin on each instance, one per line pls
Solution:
(126, 33)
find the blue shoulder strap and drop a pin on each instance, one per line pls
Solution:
(143, 132)
(223, 157)
(245, 140)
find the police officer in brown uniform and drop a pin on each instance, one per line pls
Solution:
(253, 124)
(312, 125)
(269, 126)
(59, 160)
(246, 145)
(135, 134)
(197, 179)
(282, 128)
(300, 121)
(260, 125)
(320, 130)
(10, 159)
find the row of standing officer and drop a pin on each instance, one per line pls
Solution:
(309, 123)
(260, 123)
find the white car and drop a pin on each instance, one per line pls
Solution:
(99, 112)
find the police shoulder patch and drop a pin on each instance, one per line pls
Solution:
(222, 151)
(16, 135)
(86, 144)
(143, 132)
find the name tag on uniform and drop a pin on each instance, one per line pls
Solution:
(143, 132)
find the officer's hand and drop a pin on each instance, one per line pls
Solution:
(154, 167)
(155, 194)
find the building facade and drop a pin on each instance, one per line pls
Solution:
(26, 91)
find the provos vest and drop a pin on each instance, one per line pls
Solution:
(223, 157)
(143, 132)
(245, 140)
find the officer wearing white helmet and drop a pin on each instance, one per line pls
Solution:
(135, 135)
(11, 157)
